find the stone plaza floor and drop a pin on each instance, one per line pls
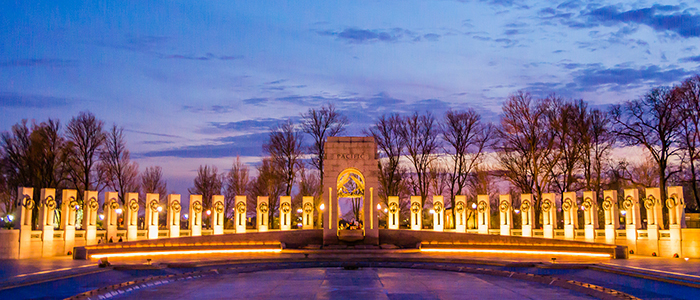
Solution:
(61, 277)
(338, 283)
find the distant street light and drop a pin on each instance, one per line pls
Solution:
(473, 205)
(299, 210)
(379, 206)
(118, 211)
(322, 207)
(186, 216)
(208, 212)
(102, 217)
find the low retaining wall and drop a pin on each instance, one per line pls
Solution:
(410, 238)
(300, 238)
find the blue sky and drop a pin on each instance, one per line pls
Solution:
(198, 82)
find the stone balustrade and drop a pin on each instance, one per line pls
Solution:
(647, 226)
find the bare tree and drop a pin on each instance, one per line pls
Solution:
(466, 138)
(388, 138)
(269, 183)
(236, 183)
(527, 145)
(652, 122)
(420, 135)
(152, 182)
(569, 122)
(35, 157)
(16, 164)
(688, 93)
(597, 143)
(115, 168)
(321, 124)
(284, 147)
(207, 183)
(85, 133)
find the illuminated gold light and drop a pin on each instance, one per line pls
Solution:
(503, 251)
(184, 252)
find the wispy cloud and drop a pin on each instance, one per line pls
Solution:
(33, 101)
(366, 36)
(37, 62)
(153, 133)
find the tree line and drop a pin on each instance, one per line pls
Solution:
(83, 156)
(539, 145)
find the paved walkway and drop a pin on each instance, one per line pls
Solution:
(24, 267)
(668, 265)
(371, 283)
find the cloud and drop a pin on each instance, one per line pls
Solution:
(360, 36)
(153, 133)
(261, 124)
(12, 100)
(154, 45)
(37, 62)
(367, 36)
(691, 59)
(243, 145)
(659, 17)
(622, 77)
(208, 56)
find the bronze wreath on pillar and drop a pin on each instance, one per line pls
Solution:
(546, 205)
(263, 207)
(393, 207)
(175, 206)
(415, 207)
(286, 207)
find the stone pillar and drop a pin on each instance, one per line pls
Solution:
(570, 208)
(653, 204)
(676, 217)
(174, 208)
(307, 218)
(527, 214)
(630, 207)
(131, 220)
(240, 218)
(195, 216)
(460, 213)
(394, 215)
(549, 215)
(438, 213)
(483, 213)
(262, 217)
(47, 208)
(69, 208)
(110, 206)
(416, 213)
(506, 214)
(654, 217)
(217, 214)
(590, 215)
(90, 217)
(24, 218)
(612, 221)
(152, 205)
(286, 212)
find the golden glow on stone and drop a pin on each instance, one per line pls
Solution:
(504, 251)
(186, 252)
